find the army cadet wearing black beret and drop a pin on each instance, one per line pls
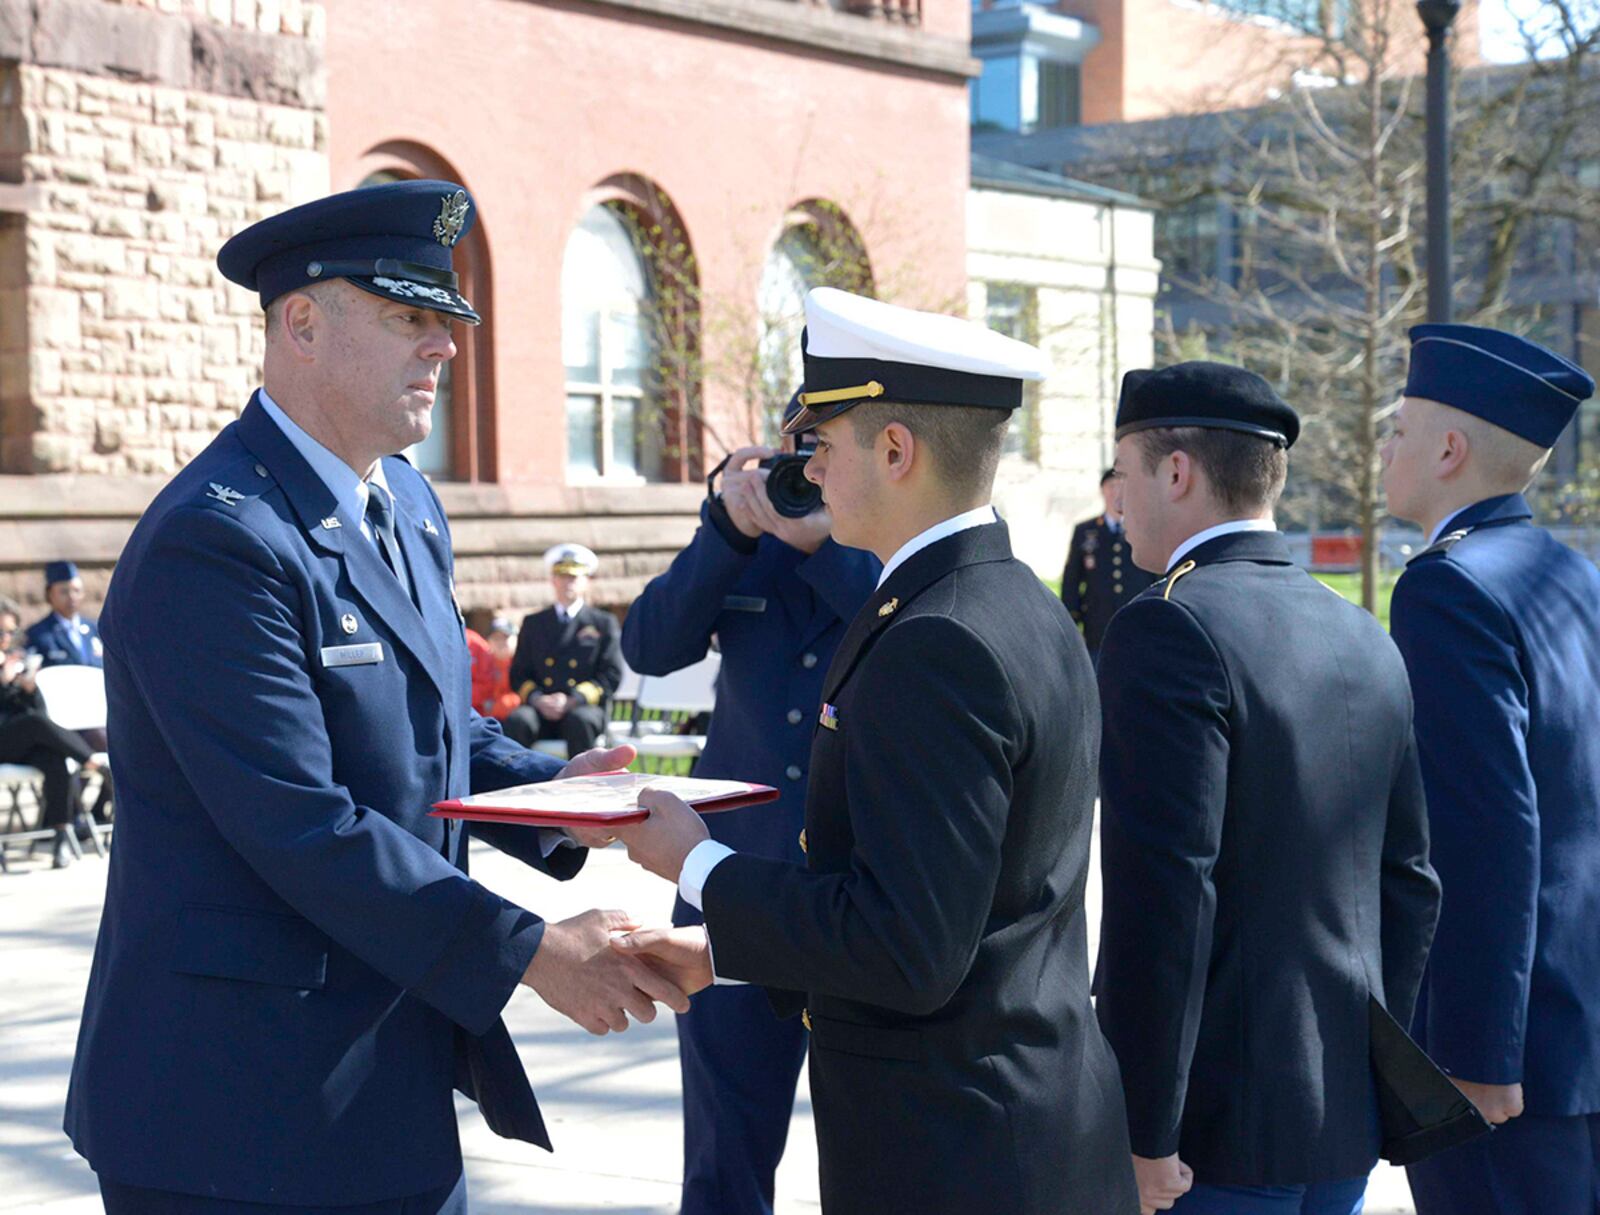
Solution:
(1263, 839)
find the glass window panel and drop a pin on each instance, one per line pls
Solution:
(1009, 309)
(628, 348)
(583, 433)
(624, 435)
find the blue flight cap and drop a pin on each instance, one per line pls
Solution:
(59, 571)
(1499, 377)
(393, 240)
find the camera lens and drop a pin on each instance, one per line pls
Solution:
(791, 495)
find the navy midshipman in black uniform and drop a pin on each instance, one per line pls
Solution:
(1268, 898)
(1100, 575)
(936, 933)
(1499, 624)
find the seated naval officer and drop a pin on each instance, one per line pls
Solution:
(1100, 575)
(936, 934)
(1263, 834)
(1499, 624)
(294, 969)
(66, 637)
(568, 661)
(778, 592)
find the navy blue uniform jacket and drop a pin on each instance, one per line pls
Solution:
(51, 639)
(778, 615)
(937, 928)
(1264, 847)
(1501, 632)
(293, 967)
(1099, 577)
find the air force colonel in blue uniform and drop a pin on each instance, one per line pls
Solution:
(66, 637)
(294, 969)
(777, 593)
(1500, 627)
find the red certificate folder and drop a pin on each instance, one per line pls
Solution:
(603, 799)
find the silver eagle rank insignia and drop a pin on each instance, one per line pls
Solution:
(225, 494)
(452, 218)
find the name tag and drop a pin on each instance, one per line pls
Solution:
(745, 603)
(351, 655)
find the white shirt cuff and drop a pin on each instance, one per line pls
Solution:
(697, 866)
(551, 838)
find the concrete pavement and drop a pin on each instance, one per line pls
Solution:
(612, 1103)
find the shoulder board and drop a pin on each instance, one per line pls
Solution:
(1172, 579)
(1443, 544)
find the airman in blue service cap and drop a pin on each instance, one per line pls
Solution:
(1516, 384)
(59, 571)
(394, 240)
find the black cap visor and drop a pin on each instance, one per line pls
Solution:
(424, 295)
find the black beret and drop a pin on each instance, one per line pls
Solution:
(1216, 396)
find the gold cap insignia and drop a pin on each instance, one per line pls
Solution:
(889, 608)
(452, 218)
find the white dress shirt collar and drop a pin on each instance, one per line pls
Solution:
(567, 613)
(349, 490)
(1221, 529)
(959, 523)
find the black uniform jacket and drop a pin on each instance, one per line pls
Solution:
(938, 926)
(581, 656)
(1099, 577)
(1264, 849)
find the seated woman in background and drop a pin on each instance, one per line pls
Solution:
(28, 736)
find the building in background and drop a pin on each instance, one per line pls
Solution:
(658, 184)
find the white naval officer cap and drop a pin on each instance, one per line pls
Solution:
(570, 559)
(858, 349)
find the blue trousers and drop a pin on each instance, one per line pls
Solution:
(119, 1199)
(740, 1064)
(1318, 1198)
(1528, 1166)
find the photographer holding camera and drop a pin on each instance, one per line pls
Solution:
(763, 577)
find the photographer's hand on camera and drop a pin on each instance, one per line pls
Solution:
(744, 497)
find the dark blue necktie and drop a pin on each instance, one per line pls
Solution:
(380, 514)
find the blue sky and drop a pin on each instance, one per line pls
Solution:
(1502, 43)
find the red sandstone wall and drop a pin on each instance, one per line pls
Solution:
(535, 104)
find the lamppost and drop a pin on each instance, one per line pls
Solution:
(1437, 16)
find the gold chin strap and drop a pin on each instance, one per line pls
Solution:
(870, 389)
(1172, 578)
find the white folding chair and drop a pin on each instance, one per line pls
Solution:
(75, 699)
(14, 779)
(675, 697)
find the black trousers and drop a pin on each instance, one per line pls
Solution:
(35, 740)
(579, 729)
(119, 1199)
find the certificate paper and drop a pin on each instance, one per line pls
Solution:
(608, 797)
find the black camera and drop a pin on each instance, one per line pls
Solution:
(791, 495)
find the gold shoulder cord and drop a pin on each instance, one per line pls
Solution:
(1172, 578)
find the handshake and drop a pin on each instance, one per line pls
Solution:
(599, 967)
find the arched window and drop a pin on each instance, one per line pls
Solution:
(818, 248)
(460, 446)
(609, 346)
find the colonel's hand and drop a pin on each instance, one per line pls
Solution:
(577, 973)
(663, 840)
(1496, 1102)
(600, 759)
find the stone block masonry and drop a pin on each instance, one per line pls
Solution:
(139, 136)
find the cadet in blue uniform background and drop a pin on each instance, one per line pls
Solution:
(66, 637)
(1263, 835)
(1100, 575)
(568, 662)
(776, 593)
(293, 969)
(1500, 627)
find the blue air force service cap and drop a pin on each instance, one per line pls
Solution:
(1214, 396)
(59, 571)
(1516, 384)
(858, 349)
(394, 240)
